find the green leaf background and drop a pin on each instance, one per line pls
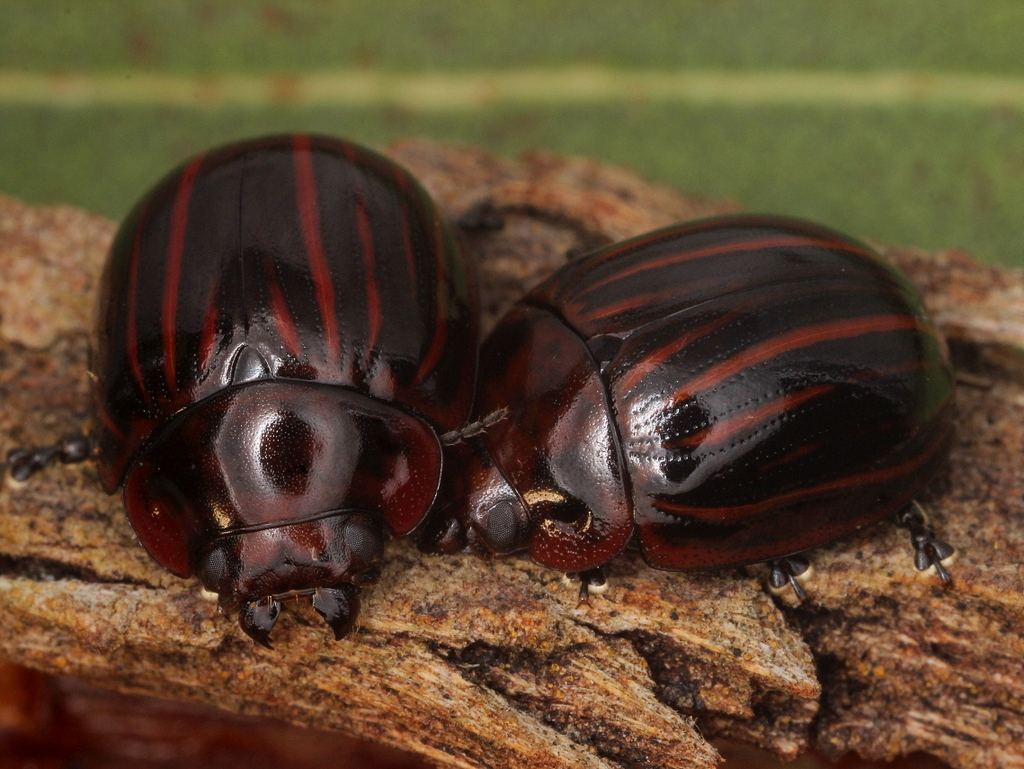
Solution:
(937, 161)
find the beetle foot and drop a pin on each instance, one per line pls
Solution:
(258, 619)
(930, 554)
(592, 582)
(789, 572)
(339, 607)
(22, 464)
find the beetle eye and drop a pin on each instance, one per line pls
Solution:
(213, 570)
(502, 526)
(364, 537)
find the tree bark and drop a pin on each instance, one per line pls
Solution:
(474, 663)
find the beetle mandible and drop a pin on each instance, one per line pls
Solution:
(286, 327)
(717, 393)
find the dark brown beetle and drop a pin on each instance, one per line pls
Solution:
(286, 328)
(718, 393)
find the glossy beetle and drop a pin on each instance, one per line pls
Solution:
(718, 393)
(286, 327)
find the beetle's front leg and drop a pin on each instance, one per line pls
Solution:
(929, 552)
(22, 464)
(592, 582)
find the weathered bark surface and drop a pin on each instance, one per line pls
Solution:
(493, 664)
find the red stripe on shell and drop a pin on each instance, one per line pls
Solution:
(781, 241)
(172, 275)
(131, 331)
(309, 216)
(739, 512)
(802, 337)
(282, 317)
(724, 429)
(373, 316)
(433, 355)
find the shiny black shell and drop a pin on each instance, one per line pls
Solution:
(258, 295)
(717, 393)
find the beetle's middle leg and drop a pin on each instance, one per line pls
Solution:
(592, 582)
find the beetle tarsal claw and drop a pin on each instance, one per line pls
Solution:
(931, 555)
(789, 573)
(339, 607)
(258, 619)
(935, 559)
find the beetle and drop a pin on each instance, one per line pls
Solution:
(717, 393)
(286, 327)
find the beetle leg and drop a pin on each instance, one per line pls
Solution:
(929, 552)
(789, 572)
(592, 582)
(339, 607)
(258, 619)
(22, 464)
(209, 595)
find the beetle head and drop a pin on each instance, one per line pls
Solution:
(551, 479)
(324, 561)
(278, 490)
(492, 517)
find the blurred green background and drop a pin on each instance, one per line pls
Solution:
(901, 120)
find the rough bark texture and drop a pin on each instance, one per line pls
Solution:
(494, 664)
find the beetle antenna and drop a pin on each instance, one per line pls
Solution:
(473, 428)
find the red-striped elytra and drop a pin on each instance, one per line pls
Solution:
(718, 393)
(286, 328)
